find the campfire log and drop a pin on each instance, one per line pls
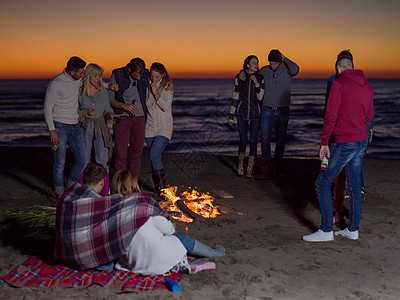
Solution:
(173, 213)
(197, 200)
(186, 210)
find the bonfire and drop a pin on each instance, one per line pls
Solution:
(189, 204)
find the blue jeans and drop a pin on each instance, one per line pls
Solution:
(277, 119)
(72, 136)
(186, 241)
(347, 185)
(350, 156)
(156, 146)
(254, 126)
(101, 152)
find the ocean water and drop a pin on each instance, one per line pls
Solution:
(200, 111)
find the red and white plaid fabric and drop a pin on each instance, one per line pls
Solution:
(35, 273)
(92, 230)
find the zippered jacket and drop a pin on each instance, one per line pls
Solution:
(247, 98)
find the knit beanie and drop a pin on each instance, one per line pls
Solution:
(275, 56)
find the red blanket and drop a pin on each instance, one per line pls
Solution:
(35, 273)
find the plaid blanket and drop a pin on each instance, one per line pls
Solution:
(92, 230)
(35, 273)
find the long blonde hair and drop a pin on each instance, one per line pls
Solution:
(125, 183)
(88, 71)
(160, 68)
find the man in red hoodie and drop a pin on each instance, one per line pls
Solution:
(350, 106)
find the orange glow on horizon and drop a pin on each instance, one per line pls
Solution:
(48, 74)
(198, 39)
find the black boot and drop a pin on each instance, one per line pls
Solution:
(159, 180)
(163, 179)
(276, 171)
(156, 180)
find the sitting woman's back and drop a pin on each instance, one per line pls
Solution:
(154, 249)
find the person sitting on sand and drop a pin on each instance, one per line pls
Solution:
(156, 248)
(93, 231)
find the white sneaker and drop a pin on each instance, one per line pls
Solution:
(352, 235)
(319, 236)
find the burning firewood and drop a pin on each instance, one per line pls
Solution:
(192, 204)
(186, 210)
(174, 213)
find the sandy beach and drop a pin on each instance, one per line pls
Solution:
(261, 228)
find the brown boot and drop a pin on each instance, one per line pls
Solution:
(276, 171)
(265, 172)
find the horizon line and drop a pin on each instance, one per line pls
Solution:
(197, 78)
(371, 74)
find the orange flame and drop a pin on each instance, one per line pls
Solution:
(201, 204)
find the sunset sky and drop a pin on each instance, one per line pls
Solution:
(204, 38)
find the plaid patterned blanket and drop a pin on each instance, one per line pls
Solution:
(92, 230)
(35, 273)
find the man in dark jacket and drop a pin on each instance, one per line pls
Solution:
(130, 99)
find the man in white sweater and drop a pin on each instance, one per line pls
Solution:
(61, 115)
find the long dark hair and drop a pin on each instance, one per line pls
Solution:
(247, 61)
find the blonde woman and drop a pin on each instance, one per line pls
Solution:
(159, 123)
(93, 109)
(125, 183)
(155, 248)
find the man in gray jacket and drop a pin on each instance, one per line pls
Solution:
(275, 112)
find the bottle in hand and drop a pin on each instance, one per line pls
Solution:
(324, 163)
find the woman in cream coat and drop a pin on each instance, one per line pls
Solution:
(159, 123)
